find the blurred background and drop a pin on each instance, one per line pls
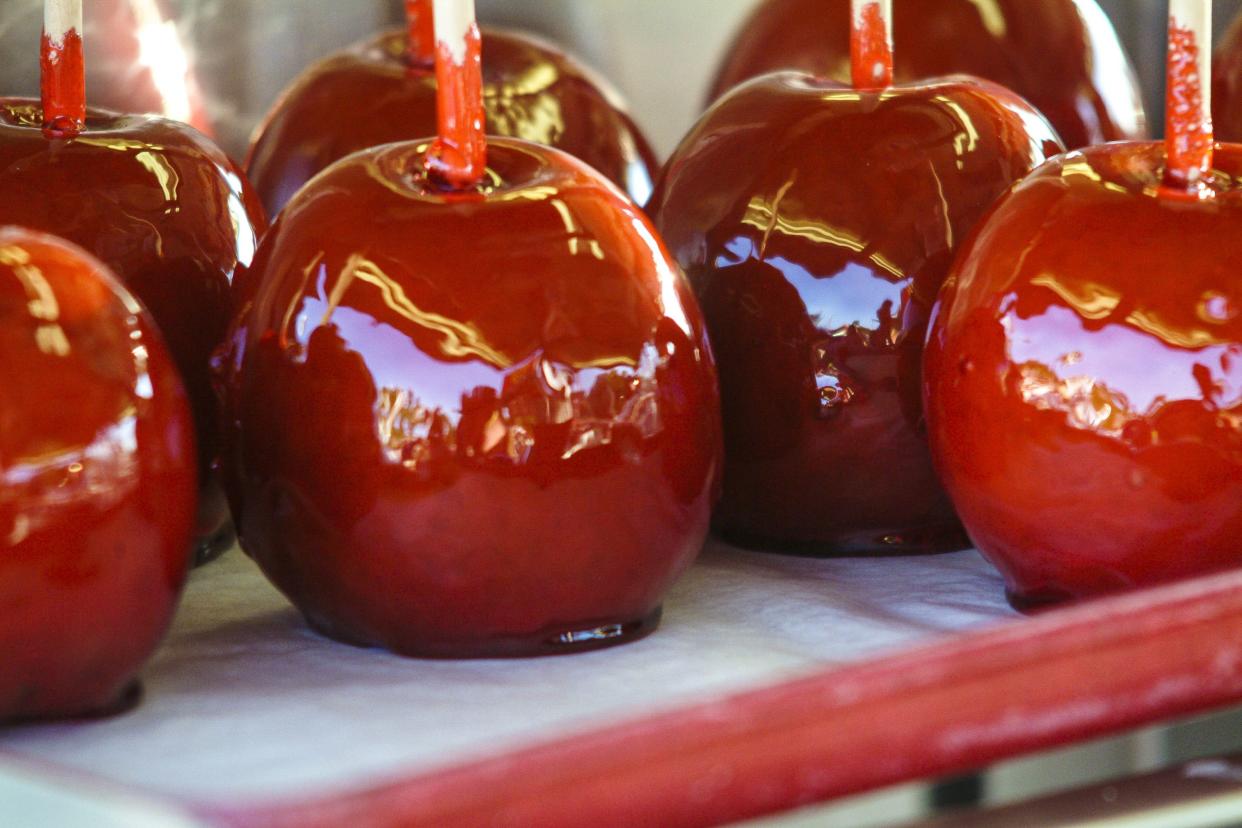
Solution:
(221, 63)
(241, 53)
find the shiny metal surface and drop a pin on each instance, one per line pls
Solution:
(1204, 793)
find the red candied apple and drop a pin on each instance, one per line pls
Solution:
(476, 410)
(157, 202)
(1227, 94)
(1061, 55)
(384, 90)
(97, 482)
(816, 224)
(1084, 369)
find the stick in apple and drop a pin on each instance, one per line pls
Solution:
(871, 43)
(421, 49)
(1189, 140)
(64, 75)
(458, 157)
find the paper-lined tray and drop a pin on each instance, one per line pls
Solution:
(773, 681)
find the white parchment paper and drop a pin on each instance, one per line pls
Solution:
(244, 704)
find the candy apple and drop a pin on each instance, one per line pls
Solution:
(816, 224)
(97, 482)
(1061, 55)
(157, 202)
(384, 90)
(1084, 369)
(475, 409)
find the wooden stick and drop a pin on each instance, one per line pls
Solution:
(64, 74)
(871, 43)
(458, 158)
(1189, 135)
(420, 21)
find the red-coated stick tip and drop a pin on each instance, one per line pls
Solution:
(871, 47)
(63, 85)
(458, 158)
(1189, 134)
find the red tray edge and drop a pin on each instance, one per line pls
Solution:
(976, 698)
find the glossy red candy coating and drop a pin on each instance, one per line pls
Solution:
(1061, 55)
(1084, 377)
(816, 224)
(371, 95)
(97, 482)
(479, 423)
(1227, 85)
(166, 210)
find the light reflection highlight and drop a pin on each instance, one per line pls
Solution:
(41, 303)
(164, 173)
(161, 51)
(1060, 371)
(459, 339)
(993, 18)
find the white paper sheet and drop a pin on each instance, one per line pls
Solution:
(244, 704)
